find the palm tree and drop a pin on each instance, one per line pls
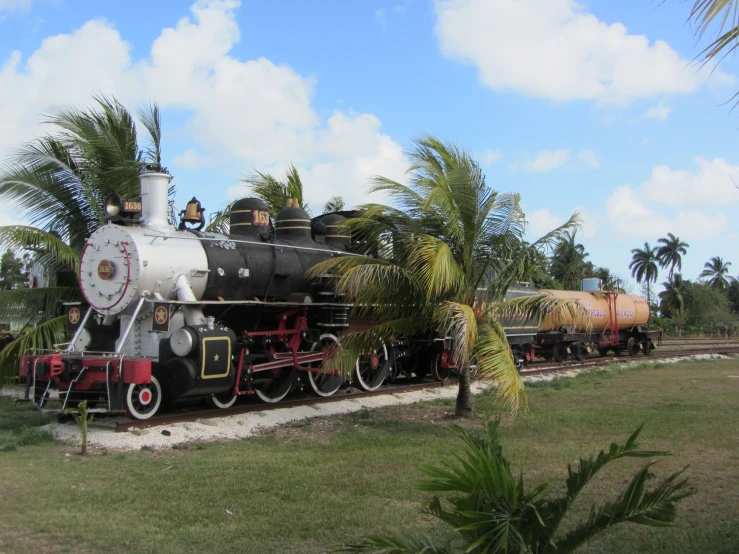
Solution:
(717, 273)
(275, 192)
(671, 299)
(643, 266)
(59, 183)
(445, 245)
(568, 260)
(671, 253)
(335, 204)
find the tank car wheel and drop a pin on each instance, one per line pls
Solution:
(633, 346)
(648, 347)
(560, 352)
(324, 384)
(221, 401)
(278, 387)
(142, 401)
(368, 369)
(579, 351)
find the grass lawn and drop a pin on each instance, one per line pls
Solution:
(322, 482)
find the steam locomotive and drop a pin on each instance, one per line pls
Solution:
(183, 313)
(179, 313)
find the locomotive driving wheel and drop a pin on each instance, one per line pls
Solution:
(369, 369)
(222, 400)
(276, 383)
(324, 384)
(142, 401)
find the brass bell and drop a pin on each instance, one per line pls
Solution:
(192, 211)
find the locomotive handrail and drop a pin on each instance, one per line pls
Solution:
(273, 245)
(130, 324)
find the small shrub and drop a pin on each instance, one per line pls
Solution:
(492, 512)
(31, 436)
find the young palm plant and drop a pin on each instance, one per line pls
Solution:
(438, 262)
(492, 511)
(59, 183)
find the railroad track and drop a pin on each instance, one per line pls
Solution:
(546, 367)
(533, 369)
(168, 419)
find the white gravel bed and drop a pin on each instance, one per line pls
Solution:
(237, 426)
(102, 435)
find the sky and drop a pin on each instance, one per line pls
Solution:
(591, 106)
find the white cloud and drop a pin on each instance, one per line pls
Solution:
(489, 157)
(554, 49)
(253, 112)
(541, 222)
(660, 112)
(380, 17)
(630, 217)
(713, 184)
(14, 5)
(545, 160)
(589, 158)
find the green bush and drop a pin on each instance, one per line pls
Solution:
(492, 511)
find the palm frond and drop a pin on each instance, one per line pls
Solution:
(29, 305)
(495, 362)
(550, 240)
(438, 270)
(458, 321)
(43, 336)
(53, 251)
(536, 307)
(396, 543)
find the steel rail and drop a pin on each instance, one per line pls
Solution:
(263, 407)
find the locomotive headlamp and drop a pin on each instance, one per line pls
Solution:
(116, 208)
(113, 205)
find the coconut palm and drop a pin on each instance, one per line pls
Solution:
(445, 245)
(671, 298)
(643, 266)
(717, 273)
(670, 253)
(568, 260)
(58, 183)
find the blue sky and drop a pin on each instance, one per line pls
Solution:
(591, 105)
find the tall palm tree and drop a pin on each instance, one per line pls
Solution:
(59, 183)
(670, 253)
(445, 242)
(643, 266)
(568, 260)
(717, 273)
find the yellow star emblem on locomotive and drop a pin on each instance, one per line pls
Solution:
(215, 358)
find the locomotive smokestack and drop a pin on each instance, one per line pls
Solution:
(155, 198)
